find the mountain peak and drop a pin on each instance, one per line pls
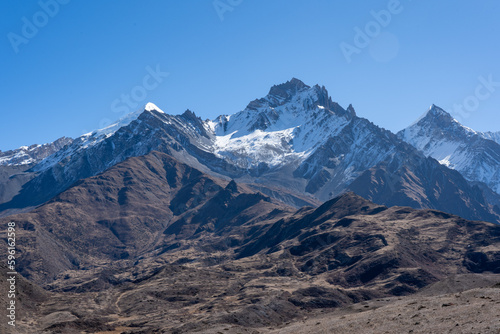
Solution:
(435, 110)
(438, 135)
(189, 114)
(288, 88)
(281, 94)
(151, 106)
(434, 114)
(232, 187)
(351, 111)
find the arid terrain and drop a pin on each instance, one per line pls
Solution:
(215, 301)
(155, 246)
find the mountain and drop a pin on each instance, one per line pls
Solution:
(284, 127)
(122, 214)
(495, 136)
(12, 179)
(138, 134)
(179, 250)
(156, 224)
(297, 138)
(474, 154)
(28, 155)
(15, 165)
(354, 241)
(295, 144)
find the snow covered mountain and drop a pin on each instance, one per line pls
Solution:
(285, 126)
(495, 136)
(26, 155)
(474, 154)
(295, 144)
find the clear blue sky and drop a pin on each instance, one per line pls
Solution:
(65, 77)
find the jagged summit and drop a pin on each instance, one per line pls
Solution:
(293, 91)
(287, 124)
(438, 119)
(26, 155)
(436, 111)
(350, 110)
(288, 88)
(433, 113)
(190, 115)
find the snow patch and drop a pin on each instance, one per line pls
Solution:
(151, 106)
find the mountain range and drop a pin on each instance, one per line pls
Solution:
(251, 222)
(295, 144)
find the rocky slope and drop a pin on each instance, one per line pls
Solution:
(122, 214)
(29, 155)
(247, 275)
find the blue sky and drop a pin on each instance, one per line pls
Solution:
(390, 59)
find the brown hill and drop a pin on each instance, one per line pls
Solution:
(122, 213)
(355, 243)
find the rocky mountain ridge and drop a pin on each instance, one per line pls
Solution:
(295, 144)
(29, 155)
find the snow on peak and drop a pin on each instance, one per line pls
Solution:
(441, 119)
(495, 136)
(292, 91)
(97, 136)
(126, 120)
(289, 123)
(110, 129)
(31, 154)
(287, 105)
(456, 146)
(435, 110)
(151, 106)
(431, 112)
(92, 138)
